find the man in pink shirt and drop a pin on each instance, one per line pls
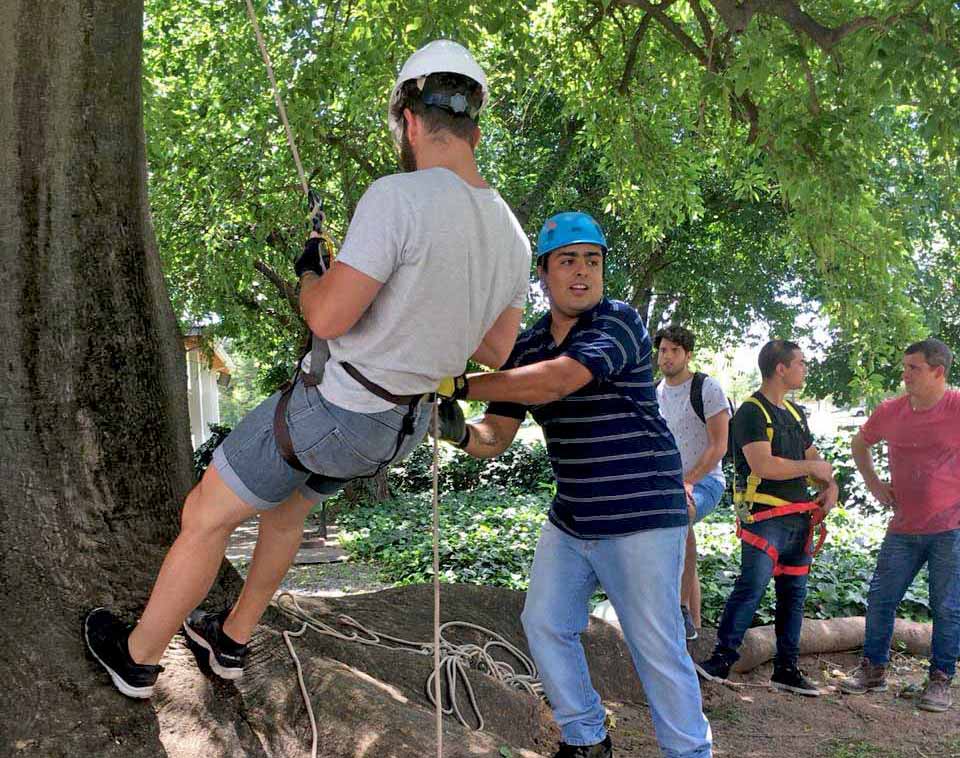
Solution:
(922, 432)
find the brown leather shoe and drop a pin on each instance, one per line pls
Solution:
(936, 695)
(866, 678)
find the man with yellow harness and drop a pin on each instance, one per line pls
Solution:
(775, 461)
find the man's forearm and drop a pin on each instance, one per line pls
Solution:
(536, 384)
(863, 458)
(707, 463)
(487, 355)
(782, 469)
(484, 441)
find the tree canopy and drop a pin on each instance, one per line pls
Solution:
(750, 161)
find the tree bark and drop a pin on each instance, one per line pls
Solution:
(94, 432)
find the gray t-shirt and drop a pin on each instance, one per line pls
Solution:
(689, 431)
(451, 257)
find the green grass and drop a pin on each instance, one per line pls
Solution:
(846, 748)
(727, 713)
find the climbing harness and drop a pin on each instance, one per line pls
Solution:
(744, 502)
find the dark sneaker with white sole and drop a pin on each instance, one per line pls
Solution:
(205, 636)
(715, 669)
(600, 750)
(106, 638)
(792, 679)
(689, 627)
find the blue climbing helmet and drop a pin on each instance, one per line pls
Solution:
(569, 228)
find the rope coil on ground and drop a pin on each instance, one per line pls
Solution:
(455, 659)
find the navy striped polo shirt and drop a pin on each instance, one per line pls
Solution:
(617, 466)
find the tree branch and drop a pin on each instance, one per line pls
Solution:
(671, 26)
(708, 33)
(631, 61)
(286, 290)
(814, 103)
(737, 16)
(341, 144)
(526, 208)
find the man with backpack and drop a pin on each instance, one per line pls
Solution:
(698, 414)
(775, 459)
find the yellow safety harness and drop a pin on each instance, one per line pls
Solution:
(745, 500)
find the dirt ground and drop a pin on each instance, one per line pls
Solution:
(752, 720)
(748, 719)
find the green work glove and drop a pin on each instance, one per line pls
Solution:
(452, 425)
(454, 387)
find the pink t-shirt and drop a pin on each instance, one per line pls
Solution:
(924, 448)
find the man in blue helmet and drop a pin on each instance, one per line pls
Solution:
(619, 519)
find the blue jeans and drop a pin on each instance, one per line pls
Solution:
(641, 575)
(900, 560)
(706, 496)
(789, 535)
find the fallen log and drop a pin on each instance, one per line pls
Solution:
(835, 635)
(830, 636)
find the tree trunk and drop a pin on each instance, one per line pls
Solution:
(94, 436)
(376, 488)
(94, 432)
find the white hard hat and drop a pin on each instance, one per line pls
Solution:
(439, 56)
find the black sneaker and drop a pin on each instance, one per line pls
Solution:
(600, 750)
(715, 669)
(688, 626)
(106, 638)
(205, 636)
(791, 679)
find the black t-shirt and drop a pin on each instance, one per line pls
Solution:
(790, 440)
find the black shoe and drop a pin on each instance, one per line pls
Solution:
(600, 750)
(791, 679)
(715, 669)
(688, 626)
(205, 636)
(106, 638)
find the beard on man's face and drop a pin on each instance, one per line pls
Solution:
(408, 161)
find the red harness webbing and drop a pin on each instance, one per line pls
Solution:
(816, 519)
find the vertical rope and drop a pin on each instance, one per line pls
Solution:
(435, 420)
(276, 96)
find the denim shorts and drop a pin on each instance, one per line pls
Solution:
(706, 496)
(335, 444)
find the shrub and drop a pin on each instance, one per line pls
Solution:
(521, 468)
(486, 537)
(204, 454)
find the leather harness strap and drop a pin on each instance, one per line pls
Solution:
(281, 429)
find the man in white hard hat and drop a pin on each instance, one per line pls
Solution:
(433, 271)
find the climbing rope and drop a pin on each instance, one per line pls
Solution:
(455, 659)
(437, 697)
(279, 100)
(452, 660)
